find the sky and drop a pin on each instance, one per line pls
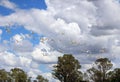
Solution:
(34, 33)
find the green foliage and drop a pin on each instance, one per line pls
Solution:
(3, 75)
(19, 75)
(103, 64)
(67, 69)
(99, 73)
(40, 78)
(114, 76)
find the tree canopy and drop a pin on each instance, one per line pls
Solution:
(114, 76)
(18, 75)
(67, 69)
(98, 73)
(40, 78)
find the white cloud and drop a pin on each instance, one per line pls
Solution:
(79, 11)
(19, 43)
(29, 66)
(108, 13)
(33, 73)
(43, 54)
(12, 59)
(48, 75)
(0, 31)
(87, 28)
(25, 62)
(8, 4)
(18, 39)
(71, 27)
(71, 30)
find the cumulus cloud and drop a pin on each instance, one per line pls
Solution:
(43, 54)
(87, 28)
(24, 62)
(48, 75)
(74, 26)
(19, 43)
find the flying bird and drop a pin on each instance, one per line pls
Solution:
(43, 40)
(8, 30)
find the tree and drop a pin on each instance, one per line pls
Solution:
(40, 78)
(29, 79)
(3, 75)
(95, 75)
(19, 75)
(99, 73)
(67, 69)
(114, 76)
(9, 77)
(86, 78)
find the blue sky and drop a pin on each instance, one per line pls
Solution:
(22, 4)
(5, 11)
(16, 29)
(28, 4)
(36, 32)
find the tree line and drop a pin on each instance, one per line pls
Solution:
(67, 69)
(18, 75)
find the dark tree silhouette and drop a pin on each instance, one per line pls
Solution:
(40, 78)
(98, 73)
(67, 69)
(114, 76)
(18, 75)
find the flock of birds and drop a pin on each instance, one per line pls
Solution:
(44, 39)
